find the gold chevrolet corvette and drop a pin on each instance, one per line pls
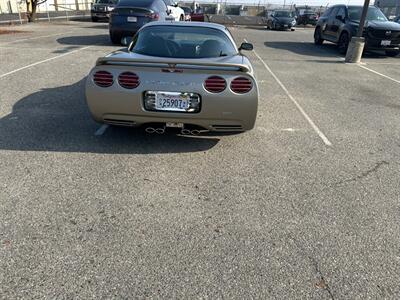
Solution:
(189, 76)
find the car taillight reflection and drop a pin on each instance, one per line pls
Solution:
(215, 84)
(241, 85)
(128, 80)
(103, 78)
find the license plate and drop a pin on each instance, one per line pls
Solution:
(385, 43)
(132, 19)
(172, 101)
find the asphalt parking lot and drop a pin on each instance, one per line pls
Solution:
(305, 206)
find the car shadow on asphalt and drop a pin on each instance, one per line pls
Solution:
(305, 48)
(86, 40)
(57, 119)
(325, 50)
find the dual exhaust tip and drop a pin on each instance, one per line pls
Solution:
(184, 131)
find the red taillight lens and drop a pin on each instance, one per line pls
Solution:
(128, 80)
(215, 84)
(103, 78)
(241, 85)
(153, 16)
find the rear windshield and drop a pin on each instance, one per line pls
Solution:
(374, 14)
(183, 42)
(106, 1)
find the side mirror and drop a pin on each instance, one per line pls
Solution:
(176, 4)
(246, 46)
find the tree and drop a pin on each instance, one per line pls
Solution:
(31, 6)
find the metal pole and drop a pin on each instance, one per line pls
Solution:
(19, 13)
(66, 9)
(47, 9)
(363, 17)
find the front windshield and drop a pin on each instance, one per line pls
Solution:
(183, 42)
(374, 14)
(283, 14)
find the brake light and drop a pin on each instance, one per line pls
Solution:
(128, 80)
(153, 16)
(215, 84)
(241, 85)
(103, 78)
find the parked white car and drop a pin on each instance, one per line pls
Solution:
(176, 13)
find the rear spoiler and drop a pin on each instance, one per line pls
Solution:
(173, 63)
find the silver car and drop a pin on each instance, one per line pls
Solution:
(189, 76)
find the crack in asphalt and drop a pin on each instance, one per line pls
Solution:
(322, 284)
(364, 174)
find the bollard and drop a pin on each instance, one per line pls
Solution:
(355, 50)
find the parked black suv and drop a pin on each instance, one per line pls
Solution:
(340, 23)
(101, 9)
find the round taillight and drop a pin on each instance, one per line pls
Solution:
(241, 85)
(215, 84)
(103, 78)
(128, 80)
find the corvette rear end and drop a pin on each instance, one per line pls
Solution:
(204, 94)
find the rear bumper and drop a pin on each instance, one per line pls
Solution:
(225, 111)
(123, 30)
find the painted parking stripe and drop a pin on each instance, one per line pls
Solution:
(43, 61)
(302, 111)
(380, 74)
(101, 130)
(35, 38)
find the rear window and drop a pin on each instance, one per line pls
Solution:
(135, 3)
(183, 42)
(106, 1)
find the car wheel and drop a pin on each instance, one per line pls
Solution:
(94, 19)
(392, 53)
(181, 18)
(318, 40)
(115, 38)
(343, 43)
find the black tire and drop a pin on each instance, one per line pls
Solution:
(392, 53)
(318, 40)
(94, 19)
(181, 18)
(115, 38)
(343, 43)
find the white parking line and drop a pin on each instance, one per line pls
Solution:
(43, 61)
(101, 130)
(305, 115)
(35, 37)
(380, 74)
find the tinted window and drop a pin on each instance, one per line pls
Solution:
(283, 14)
(342, 13)
(374, 13)
(106, 1)
(135, 3)
(183, 42)
(328, 12)
(334, 11)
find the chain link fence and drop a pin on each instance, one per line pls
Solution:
(14, 12)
